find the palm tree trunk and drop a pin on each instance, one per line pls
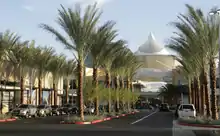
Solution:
(193, 93)
(213, 89)
(22, 90)
(67, 91)
(40, 90)
(128, 88)
(117, 95)
(95, 84)
(197, 94)
(202, 90)
(80, 90)
(128, 83)
(55, 93)
(207, 94)
(108, 80)
(122, 83)
(190, 91)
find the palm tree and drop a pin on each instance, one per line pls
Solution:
(55, 66)
(69, 70)
(102, 37)
(213, 46)
(18, 56)
(111, 51)
(79, 29)
(198, 39)
(169, 92)
(32, 67)
(44, 55)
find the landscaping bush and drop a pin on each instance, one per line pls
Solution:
(5, 116)
(88, 118)
(199, 120)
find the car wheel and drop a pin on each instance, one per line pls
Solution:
(35, 115)
(27, 115)
(58, 113)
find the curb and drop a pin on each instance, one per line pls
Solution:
(97, 121)
(8, 120)
(199, 125)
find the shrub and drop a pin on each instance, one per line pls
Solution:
(5, 116)
(199, 120)
(86, 118)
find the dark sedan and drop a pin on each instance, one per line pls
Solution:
(56, 110)
(69, 109)
(164, 107)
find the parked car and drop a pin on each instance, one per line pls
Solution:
(164, 107)
(90, 110)
(173, 107)
(56, 110)
(186, 110)
(44, 110)
(25, 110)
(69, 109)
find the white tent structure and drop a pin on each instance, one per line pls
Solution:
(157, 67)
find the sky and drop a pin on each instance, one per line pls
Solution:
(135, 18)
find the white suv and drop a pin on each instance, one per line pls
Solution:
(186, 110)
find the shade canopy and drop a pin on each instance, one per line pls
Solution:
(151, 46)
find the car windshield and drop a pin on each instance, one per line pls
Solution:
(67, 105)
(41, 106)
(23, 106)
(188, 107)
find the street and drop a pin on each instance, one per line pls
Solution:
(150, 123)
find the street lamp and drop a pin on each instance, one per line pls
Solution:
(213, 13)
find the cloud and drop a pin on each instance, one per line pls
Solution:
(84, 3)
(28, 8)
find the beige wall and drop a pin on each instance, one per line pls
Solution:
(157, 61)
(178, 76)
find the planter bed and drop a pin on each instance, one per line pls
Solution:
(96, 120)
(195, 122)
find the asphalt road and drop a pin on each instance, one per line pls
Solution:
(38, 120)
(141, 124)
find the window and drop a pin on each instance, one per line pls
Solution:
(188, 107)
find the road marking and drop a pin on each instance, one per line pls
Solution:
(144, 118)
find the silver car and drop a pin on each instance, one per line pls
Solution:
(25, 110)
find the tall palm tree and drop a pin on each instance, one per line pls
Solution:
(102, 37)
(78, 27)
(55, 66)
(44, 55)
(213, 47)
(18, 56)
(202, 33)
(69, 69)
(111, 51)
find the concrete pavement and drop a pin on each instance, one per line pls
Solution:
(144, 123)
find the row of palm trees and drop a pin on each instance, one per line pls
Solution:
(85, 39)
(196, 43)
(23, 60)
(84, 36)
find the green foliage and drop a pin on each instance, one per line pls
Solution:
(5, 116)
(87, 118)
(199, 120)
